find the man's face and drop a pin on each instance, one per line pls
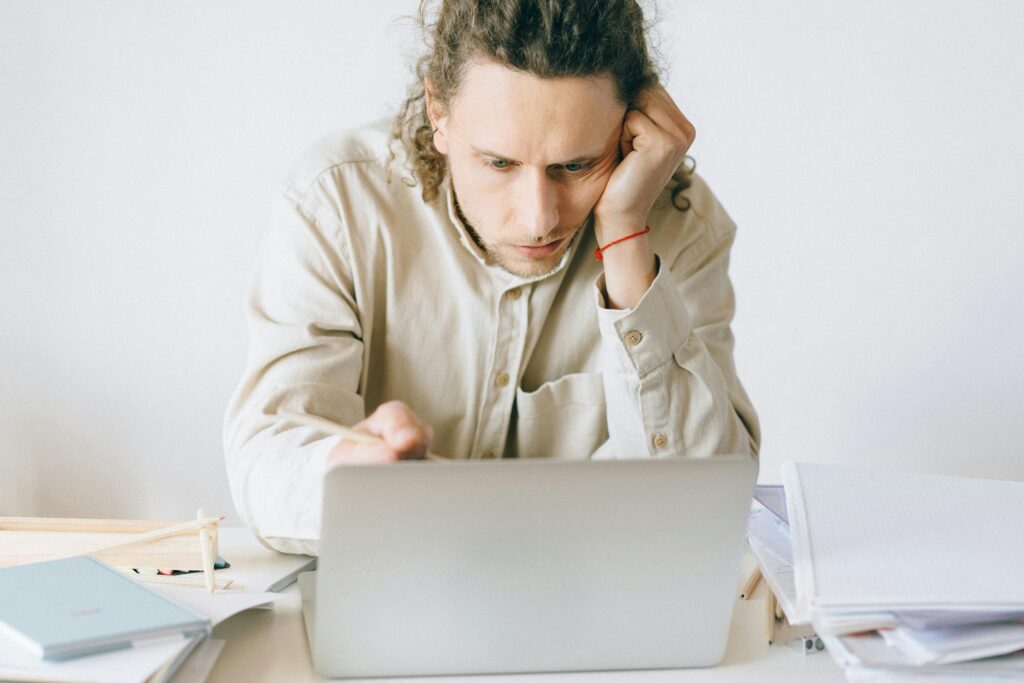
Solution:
(528, 158)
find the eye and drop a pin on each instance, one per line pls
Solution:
(574, 166)
(499, 164)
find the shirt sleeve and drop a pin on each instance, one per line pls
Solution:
(669, 378)
(305, 354)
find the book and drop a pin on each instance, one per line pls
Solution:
(76, 606)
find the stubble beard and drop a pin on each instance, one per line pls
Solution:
(522, 267)
(519, 267)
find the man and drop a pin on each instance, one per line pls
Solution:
(523, 268)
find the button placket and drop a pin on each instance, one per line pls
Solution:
(500, 392)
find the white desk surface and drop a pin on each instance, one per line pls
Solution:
(270, 645)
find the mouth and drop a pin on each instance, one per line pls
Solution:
(541, 251)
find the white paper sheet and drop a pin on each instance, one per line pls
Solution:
(882, 540)
(263, 571)
(836, 623)
(957, 643)
(198, 666)
(118, 666)
(941, 619)
(773, 498)
(779, 576)
(771, 531)
(217, 606)
(870, 652)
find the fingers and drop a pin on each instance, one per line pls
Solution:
(400, 429)
(402, 437)
(628, 133)
(398, 426)
(639, 132)
(352, 453)
(658, 106)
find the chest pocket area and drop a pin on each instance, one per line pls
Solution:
(564, 419)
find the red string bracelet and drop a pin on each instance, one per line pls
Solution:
(597, 254)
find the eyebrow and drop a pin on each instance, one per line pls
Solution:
(496, 155)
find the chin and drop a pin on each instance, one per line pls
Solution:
(526, 268)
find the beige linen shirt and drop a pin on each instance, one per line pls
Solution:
(365, 293)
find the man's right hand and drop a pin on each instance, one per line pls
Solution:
(403, 435)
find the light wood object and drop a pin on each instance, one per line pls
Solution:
(124, 543)
(751, 583)
(206, 551)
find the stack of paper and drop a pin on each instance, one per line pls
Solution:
(902, 574)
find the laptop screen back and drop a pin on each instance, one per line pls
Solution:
(527, 566)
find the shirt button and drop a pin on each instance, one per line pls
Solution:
(501, 379)
(659, 441)
(489, 455)
(513, 294)
(633, 337)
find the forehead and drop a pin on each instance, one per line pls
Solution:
(532, 118)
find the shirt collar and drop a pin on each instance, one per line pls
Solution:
(483, 259)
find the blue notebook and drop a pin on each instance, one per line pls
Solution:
(79, 605)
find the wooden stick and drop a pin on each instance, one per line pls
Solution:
(769, 610)
(346, 433)
(751, 584)
(65, 524)
(206, 548)
(154, 535)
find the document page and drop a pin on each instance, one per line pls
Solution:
(899, 540)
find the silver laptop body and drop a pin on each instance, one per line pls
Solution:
(511, 566)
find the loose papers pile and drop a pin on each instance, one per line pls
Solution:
(902, 574)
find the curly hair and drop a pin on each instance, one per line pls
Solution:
(547, 38)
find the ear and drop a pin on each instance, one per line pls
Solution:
(438, 118)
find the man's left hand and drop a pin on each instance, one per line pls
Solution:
(655, 138)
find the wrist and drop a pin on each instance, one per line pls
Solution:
(609, 227)
(629, 269)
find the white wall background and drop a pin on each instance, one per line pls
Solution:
(872, 154)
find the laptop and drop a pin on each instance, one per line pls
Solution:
(526, 566)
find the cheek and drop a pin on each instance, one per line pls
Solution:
(585, 193)
(484, 202)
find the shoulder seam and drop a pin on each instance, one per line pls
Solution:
(302, 191)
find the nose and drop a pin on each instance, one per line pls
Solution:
(537, 204)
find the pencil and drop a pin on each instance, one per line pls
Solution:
(206, 548)
(342, 431)
(769, 610)
(751, 584)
